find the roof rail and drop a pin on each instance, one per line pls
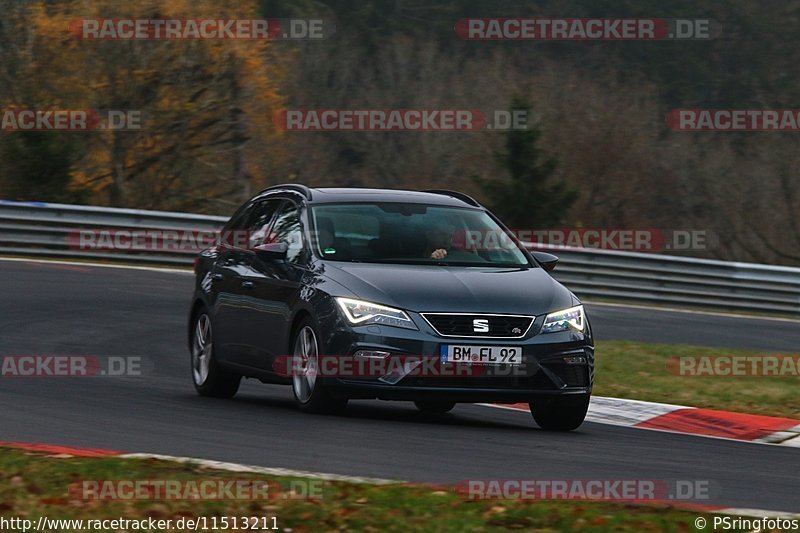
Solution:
(296, 187)
(455, 194)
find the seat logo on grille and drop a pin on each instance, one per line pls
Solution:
(480, 325)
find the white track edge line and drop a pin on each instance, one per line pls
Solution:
(273, 471)
(100, 265)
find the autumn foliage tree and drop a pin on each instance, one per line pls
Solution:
(204, 104)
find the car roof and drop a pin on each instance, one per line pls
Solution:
(327, 195)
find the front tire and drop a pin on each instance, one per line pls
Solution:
(563, 413)
(310, 393)
(208, 377)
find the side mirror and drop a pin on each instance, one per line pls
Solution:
(548, 261)
(273, 250)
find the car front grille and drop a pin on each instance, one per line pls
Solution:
(469, 325)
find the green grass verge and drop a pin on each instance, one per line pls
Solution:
(638, 371)
(32, 485)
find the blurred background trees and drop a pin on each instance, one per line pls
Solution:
(528, 198)
(205, 105)
(208, 141)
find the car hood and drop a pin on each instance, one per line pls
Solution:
(427, 288)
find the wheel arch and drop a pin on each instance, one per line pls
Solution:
(298, 318)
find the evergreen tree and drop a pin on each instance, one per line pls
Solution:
(527, 198)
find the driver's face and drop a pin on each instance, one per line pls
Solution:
(440, 236)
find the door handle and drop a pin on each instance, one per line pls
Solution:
(217, 277)
(248, 284)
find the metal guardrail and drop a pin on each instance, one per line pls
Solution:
(679, 281)
(42, 230)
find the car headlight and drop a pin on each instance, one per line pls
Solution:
(572, 318)
(361, 313)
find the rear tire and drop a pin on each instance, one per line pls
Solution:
(309, 390)
(208, 377)
(434, 407)
(563, 413)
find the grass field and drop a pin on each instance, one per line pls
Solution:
(639, 371)
(32, 485)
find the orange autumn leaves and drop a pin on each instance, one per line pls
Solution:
(205, 105)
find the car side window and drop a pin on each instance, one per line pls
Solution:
(258, 224)
(229, 234)
(239, 218)
(288, 228)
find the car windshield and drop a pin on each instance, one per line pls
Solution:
(405, 233)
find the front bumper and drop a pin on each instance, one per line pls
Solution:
(544, 372)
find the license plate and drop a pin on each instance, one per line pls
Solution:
(481, 355)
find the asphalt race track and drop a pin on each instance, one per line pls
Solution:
(58, 309)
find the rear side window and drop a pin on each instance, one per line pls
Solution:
(259, 220)
(240, 217)
(288, 228)
(231, 233)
